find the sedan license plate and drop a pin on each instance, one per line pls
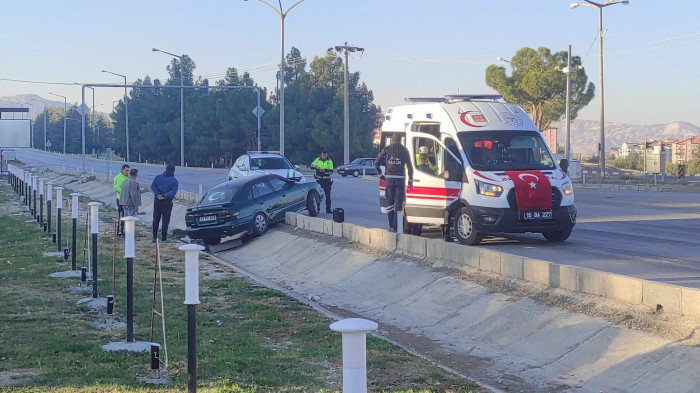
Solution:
(534, 215)
(207, 219)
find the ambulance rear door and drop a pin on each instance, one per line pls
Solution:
(437, 181)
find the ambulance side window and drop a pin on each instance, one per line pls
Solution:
(452, 167)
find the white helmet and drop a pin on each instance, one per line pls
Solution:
(423, 150)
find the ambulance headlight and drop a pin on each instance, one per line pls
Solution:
(488, 189)
(567, 188)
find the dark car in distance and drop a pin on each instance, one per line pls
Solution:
(358, 167)
(248, 206)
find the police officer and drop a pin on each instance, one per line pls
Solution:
(395, 158)
(324, 168)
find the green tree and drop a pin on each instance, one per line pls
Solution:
(539, 87)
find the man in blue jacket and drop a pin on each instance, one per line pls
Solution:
(164, 188)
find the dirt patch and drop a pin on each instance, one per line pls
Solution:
(15, 377)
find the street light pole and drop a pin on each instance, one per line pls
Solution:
(282, 14)
(126, 111)
(600, 7)
(64, 120)
(182, 105)
(346, 105)
(93, 114)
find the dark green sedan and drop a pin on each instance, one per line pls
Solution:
(248, 206)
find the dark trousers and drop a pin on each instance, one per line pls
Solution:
(395, 193)
(326, 185)
(120, 214)
(161, 209)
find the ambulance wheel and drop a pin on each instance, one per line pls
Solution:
(356, 173)
(463, 225)
(557, 236)
(412, 229)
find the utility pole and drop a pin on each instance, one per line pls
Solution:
(346, 107)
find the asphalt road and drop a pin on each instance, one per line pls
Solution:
(650, 235)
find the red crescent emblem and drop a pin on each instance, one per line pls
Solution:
(463, 118)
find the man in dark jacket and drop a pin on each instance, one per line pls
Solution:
(395, 158)
(164, 188)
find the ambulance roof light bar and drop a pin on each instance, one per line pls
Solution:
(470, 97)
(424, 99)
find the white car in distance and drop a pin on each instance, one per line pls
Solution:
(265, 161)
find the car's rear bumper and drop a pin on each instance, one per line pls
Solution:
(220, 230)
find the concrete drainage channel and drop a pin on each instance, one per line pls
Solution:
(436, 299)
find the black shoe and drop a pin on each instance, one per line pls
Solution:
(153, 240)
(329, 211)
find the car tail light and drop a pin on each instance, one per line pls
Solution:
(189, 219)
(228, 213)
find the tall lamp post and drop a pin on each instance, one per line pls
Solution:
(64, 120)
(282, 14)
(126, 111)
(45, 114)
(182, 105)
(600, 7)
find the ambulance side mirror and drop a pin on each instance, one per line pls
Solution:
(564, 165)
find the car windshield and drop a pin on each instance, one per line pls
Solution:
(357, 161)
(220, 194)
(269, 163)
(506, 150)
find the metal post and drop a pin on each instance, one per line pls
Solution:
(129, 254)
(94, 223)
(41, 202)
(74, 214)
(567, 146)
(59, 208)
(35, 184)
(182, 115)
(49, 193)
(192, 300)
(281, 92)
(346, 114)
(82, 126)
(257, 89)
(602, 99)
(354, 331)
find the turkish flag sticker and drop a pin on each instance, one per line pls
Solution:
(533, 191)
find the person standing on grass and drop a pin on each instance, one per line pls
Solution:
(118, 180)
(164, 188)
(130, 198)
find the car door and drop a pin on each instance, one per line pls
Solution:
(265, 198)
(433, 189)
(291, 197)
(369, 167)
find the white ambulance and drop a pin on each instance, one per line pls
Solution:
(480, 167)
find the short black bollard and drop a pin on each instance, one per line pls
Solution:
(53, 237)
(66, 253)
(83, 274)
(110, 304)
(45, 226)
(155, 356)
(94, 226)
(59, 208)
(49, 196)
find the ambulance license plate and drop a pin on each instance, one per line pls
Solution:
(534, 215)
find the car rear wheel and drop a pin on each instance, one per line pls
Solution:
(313, 203)
(463, 223)
(259, 223)
(211, 241)
(557, 236)
(356, 173)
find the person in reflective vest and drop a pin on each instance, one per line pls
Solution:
(423, 160)
(323, 166)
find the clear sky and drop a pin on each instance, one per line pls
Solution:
(412, 47)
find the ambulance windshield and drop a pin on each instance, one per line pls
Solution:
(506, 150)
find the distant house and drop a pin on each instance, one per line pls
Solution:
(682, 151)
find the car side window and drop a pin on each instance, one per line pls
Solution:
(262, 188)
(278, 184)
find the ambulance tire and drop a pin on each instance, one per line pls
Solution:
(412, 229)
(463, 227)
(557, 236)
